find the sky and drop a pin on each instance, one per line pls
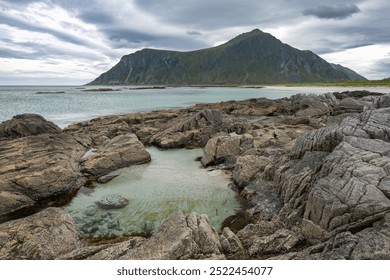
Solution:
(71, 42)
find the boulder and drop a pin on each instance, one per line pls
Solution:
(37, 171)
(188, 129)
(112, 201)
(231, 245)
(220, 148)
(247, 167)
(119, 152)
(43, 236)
(350, 105)
(26, 125)
(310, 106)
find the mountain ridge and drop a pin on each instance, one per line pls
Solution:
(254, 57)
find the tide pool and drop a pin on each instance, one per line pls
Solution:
(172, 181)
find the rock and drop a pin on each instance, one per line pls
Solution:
(42, 236)
(384, 101)
(281, 241)
(26, 125)
(37, 171)
(264, 199)
(347, 195)
(369, 124)
(350, 105)
(112, 201)
(247, 167)
(193, 128)
(119, 152)
(101, 129)
(180, 237)
(231, 245)
(221, 148)
(355, 94)
(104, 252)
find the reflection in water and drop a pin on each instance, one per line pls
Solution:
(172, 181)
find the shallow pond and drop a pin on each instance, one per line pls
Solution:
(172, 181)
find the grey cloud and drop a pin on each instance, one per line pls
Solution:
(96, 16)
(193, 32)
(207, 15)
(127, 38)
(332, 12)
(30, 27)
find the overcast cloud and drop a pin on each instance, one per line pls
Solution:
(72, 41)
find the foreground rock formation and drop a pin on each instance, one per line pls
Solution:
(315, 171)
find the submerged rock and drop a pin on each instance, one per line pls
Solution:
(179, 237)
(112, 201)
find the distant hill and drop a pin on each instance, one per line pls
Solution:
(250, 58)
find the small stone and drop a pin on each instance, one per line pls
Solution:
(112, 201)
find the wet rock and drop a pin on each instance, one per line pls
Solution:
(26, 125)
(45, 235)
(91, 210)
(264, 198)
(112, 201)
(119, 152)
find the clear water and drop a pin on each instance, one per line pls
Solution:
(172, 181)
(75, 105)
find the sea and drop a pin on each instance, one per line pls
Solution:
(64, 105)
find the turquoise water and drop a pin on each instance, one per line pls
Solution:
(172, 181)
(75, 105)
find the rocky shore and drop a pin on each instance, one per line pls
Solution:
(315, 171)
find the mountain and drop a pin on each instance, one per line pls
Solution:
(250, 58)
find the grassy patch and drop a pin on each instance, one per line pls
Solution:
(367, 83)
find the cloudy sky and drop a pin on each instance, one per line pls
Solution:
(73, 41)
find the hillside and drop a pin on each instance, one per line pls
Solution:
(250, 58)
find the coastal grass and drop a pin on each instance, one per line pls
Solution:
(356, 83)
(360, 83)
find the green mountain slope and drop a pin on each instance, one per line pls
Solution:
(250, 58)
